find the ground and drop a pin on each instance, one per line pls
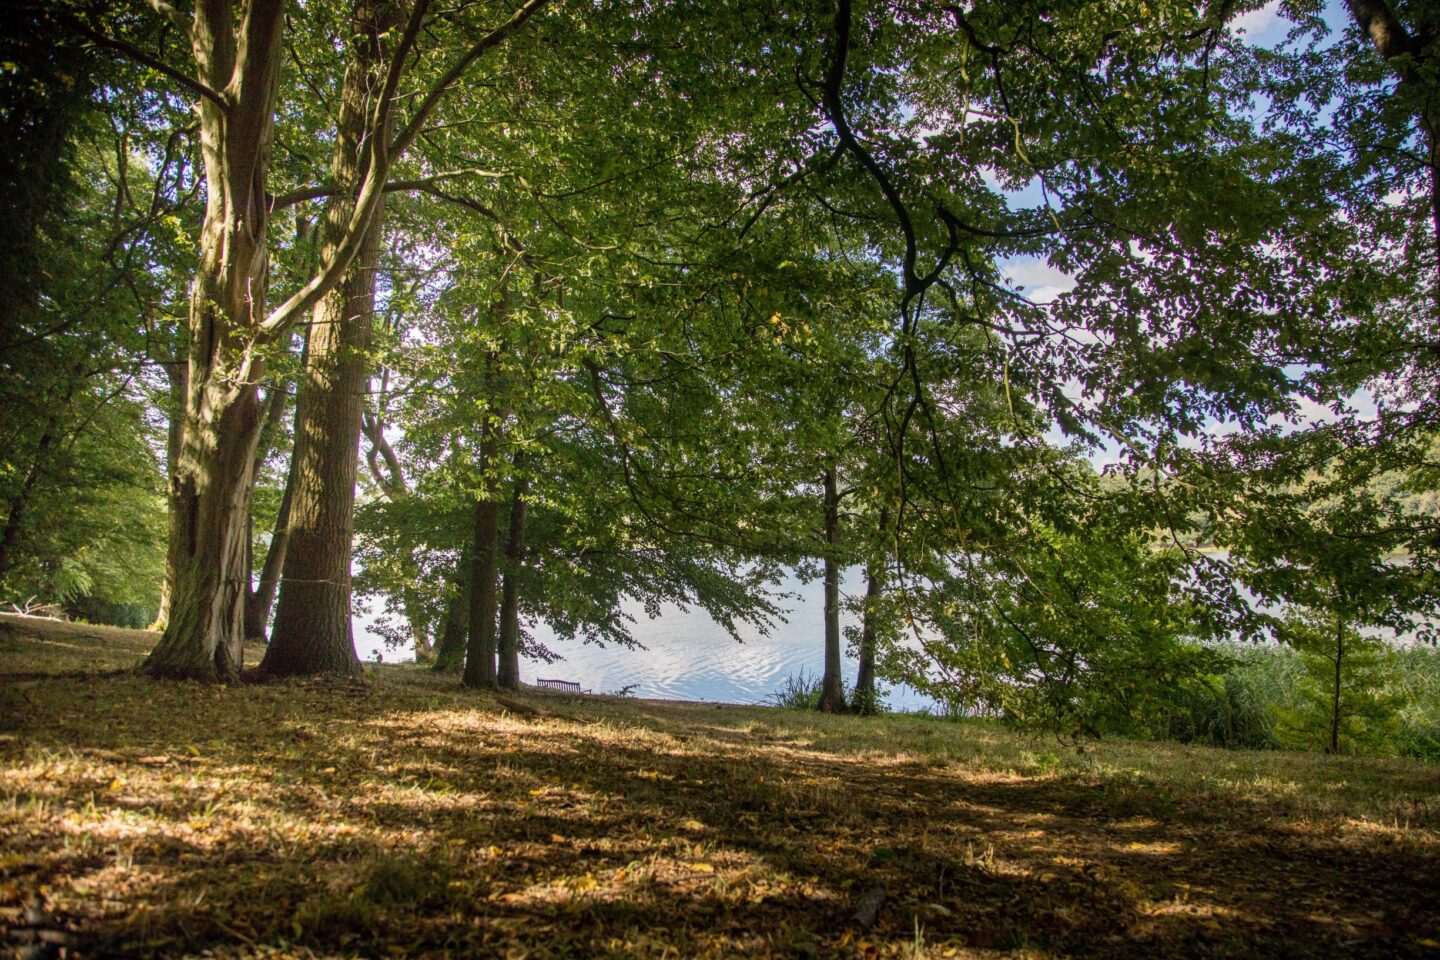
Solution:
(403, 816)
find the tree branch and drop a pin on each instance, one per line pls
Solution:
(382, 154)
(145, 59)
(321, 191)
(437, 92)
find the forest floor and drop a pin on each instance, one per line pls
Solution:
(403, 816)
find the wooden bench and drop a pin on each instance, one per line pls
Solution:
(569, 686)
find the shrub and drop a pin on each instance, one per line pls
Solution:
(801, 692)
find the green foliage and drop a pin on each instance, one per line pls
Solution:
(1341, 700)
(1265, 696)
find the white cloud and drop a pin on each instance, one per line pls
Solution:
(1263, 27)
(1040, 281)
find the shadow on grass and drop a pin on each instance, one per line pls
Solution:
(409, 818)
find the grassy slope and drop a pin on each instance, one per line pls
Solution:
(407, 817)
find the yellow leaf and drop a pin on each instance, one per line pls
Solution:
(702, 868)
(694, 825)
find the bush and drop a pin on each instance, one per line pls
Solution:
(1229, 710)
(1263, 699)
(801, 692)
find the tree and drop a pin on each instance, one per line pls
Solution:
(313, 632)
(237, 58)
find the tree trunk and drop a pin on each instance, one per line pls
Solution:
(410, 608)
(863, 699)
(313, 631)
(510, 592)
(204, 633)
(450, 651)
(832, 693)
(260, 600)
(178, 375)
(480, 648)
(1335, 699)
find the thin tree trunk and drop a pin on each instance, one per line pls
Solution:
(424, 649)
(313, 631)
(258, 598)
(510, 592)
(832, 693)
(262, 598)
(1335, 699)
(178, 375)
(863, 700)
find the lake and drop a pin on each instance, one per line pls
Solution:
(688, 657)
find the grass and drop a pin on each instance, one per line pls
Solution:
(406, 817)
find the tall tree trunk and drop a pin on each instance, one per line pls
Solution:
(832, 692)
(313, 631)
(863, 700)
(510, 591)
(480, 648)
(178, 375)
(204, 633)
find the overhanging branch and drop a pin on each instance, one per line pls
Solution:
(145, 59)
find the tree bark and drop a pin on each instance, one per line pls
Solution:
(262, 598)
(480, 648)
(863, 699)
(204, 633)
(313, 631)
(424, 649)
(509, 673)
(177, 373)
(237, 53)
(258, 599)
(832, 693)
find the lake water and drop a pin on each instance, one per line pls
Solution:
(688, 657)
